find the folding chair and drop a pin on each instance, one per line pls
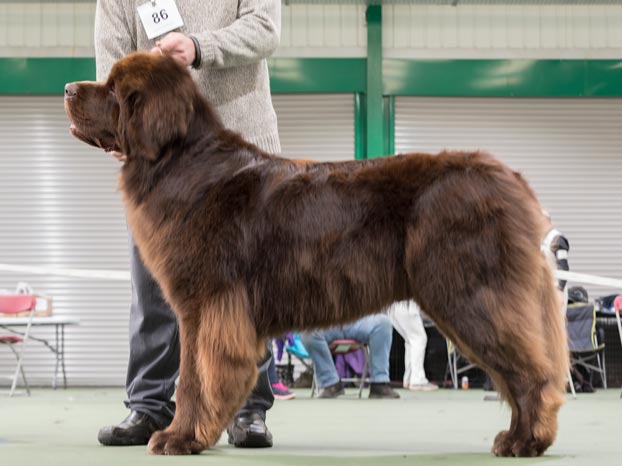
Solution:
(585, 350)
(453, 357)
(293, 347)
(12, 305)
(343, 347)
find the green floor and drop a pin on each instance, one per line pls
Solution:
(439, 428)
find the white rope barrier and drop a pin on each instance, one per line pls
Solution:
(73, 273)
(591, 279)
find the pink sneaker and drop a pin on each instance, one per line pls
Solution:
(282, 392)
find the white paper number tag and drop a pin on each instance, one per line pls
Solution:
(159, 17)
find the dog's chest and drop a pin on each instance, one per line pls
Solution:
(151, 241)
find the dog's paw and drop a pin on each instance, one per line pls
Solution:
(502, 445)
(166, 442)
(528, 448)
(508, 445)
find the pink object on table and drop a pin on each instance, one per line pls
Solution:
(15, 303)
(10, 339)
(617, 303)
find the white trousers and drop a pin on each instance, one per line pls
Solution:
(406, 319)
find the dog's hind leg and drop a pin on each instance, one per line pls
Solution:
(520, 342)
(539, 392)
(219, 355)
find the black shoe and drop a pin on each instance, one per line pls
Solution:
(382, 390)
(136, 429)
(332, 391)
(249, 431)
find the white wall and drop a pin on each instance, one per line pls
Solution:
(46, 29)
(323, 31)
(66, 30)
(409, 31)
(502, 31)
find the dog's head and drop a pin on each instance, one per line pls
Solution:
(143, 108)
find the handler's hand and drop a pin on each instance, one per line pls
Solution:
(119, 156)
(177, 45)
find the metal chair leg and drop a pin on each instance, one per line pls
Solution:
(19, 369)
(571, 383)
(364, 374)
(314, 384)
(603, 369)
(452, 363)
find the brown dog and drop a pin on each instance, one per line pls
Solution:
(246, 245)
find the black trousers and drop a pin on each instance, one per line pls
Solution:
(154, 352)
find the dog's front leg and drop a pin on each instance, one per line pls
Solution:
(219, 354)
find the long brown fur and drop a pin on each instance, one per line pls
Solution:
(246, 245)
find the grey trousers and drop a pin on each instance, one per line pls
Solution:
(154, 353)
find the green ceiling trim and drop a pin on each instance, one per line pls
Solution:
(503, 78)
(37, 76)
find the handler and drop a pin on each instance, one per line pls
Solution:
(226, 43)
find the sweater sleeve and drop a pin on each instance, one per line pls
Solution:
(113, 36)
(253, 36)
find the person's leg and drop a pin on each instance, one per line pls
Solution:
(407, 316)
(261, 398)
(418, 340)
(153, 363)
(377, 331)
(407, 364)
(279, 389)
(316, 343)
(154, 347)
(249, 430)
(272, 375)
(398, 315)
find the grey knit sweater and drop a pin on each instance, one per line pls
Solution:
(235, 36)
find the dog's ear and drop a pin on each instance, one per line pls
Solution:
(153, 118)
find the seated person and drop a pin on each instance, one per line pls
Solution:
(375, 330)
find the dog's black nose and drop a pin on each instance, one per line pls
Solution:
(71, 90)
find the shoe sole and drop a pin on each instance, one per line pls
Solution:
(332, 395)
(121, 441)
(252, 441)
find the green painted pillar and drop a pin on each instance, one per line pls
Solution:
(360, 117)
(374, 140)
(389, 124)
